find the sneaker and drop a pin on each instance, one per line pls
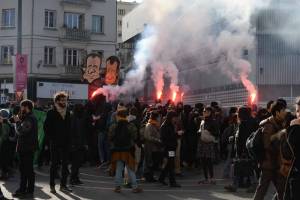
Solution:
(175, 185)
(230, 188)
(65, 189)
(117, 189)
(52, 189)
(137, 190)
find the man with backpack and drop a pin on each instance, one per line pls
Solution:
(269, 164)
(122, 135)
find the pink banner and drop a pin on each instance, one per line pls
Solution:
(21, 72)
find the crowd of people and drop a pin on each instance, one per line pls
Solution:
(151, 143)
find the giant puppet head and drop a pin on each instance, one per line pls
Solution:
(112, 70)
(91, 71)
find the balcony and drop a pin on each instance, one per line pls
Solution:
(86, 3)
(76, 34)
(72, 70)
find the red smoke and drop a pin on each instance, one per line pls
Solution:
(250, 88)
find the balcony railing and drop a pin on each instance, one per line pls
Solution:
(76, 34)
(72, 70)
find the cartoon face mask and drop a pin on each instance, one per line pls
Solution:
(112, 73)
(92, 70)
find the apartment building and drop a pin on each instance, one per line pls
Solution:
(56, 36)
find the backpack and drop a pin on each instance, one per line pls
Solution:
(255, 145)
(122, 137)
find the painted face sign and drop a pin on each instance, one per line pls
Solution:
(92, 70)
(112, 70)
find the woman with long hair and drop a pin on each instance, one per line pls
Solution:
(206, 151)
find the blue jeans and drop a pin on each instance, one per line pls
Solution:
(119, 172)
(103, 147)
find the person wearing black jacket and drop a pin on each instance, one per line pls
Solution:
(57, 128)
(292, 191)
(243, 165)
(78, 142)
(169, 143)
(27, 143)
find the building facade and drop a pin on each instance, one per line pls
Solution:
(124, 49)
(56, 36)
(275, 61)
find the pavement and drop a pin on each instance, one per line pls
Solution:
(98, 185)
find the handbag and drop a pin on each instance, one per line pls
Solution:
(205, 134)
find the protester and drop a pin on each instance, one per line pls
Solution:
(206, 146)
(4, 144)
(169, 143)
(270, 165)
(153, 147)
(122, 135)
(243, 167)
(57, 128)
(78, 142)
(27, 130)
(292, 191)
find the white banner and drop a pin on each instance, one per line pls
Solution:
(75, 91)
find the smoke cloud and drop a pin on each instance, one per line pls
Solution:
(192, 32)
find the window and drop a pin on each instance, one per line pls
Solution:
(8, 17)
(49, 55)
(50, 18)
(120, 22)
(97, 24)
(72, 57)
(121, 12)
(6, 53)
(119, 34)
(74, 20)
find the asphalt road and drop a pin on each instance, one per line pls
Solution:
(98, 185)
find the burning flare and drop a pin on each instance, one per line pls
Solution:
(174, 96)
(158, 95)
(253, 97)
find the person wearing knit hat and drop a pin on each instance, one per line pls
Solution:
(122, 136)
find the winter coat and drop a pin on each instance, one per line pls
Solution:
(27, 131)
(78, 132)
(245, 128)
(57, 129)
(168, 136)
(294, 175)
(270, 128)
(4, 133)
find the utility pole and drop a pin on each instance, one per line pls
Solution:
(19, 36)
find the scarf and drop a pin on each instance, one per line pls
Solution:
(61, 111)
(154, 123)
